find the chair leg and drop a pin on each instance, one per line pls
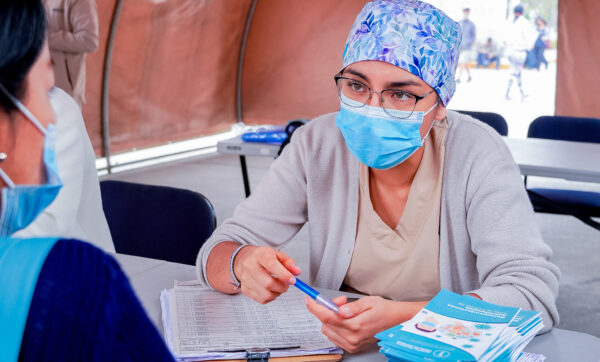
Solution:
(245, 175)
(590, 222)
(586, 219)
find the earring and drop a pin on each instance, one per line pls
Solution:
(2, 157)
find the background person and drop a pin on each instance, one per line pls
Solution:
(469, 33)
(488, 54)
(403, 196)
(62, 300)
(72, 32)
(519, 39)
(541, 43)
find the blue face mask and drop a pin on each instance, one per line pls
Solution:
(21, 204)
(376, 138)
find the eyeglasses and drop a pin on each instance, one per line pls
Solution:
(391, 99)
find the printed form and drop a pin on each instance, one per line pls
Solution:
(206, 322)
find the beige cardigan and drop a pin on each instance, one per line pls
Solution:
(490, 243)
(72, 32)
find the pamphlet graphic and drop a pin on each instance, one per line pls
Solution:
(473, 337)
(459, 329)
(427, 325)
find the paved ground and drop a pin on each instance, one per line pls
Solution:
(487, 90)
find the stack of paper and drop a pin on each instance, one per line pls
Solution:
(460, 327)
(201, 324)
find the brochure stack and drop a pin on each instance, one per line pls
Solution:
(455, 327)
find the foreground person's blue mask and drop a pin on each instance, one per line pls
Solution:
(21, 204)
(378, 139)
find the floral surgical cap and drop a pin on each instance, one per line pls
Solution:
(409, 34)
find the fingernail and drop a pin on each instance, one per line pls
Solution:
(345, 311)
(306, 300)
(292, 280)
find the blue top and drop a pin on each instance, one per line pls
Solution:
(20, 263)
(468, 34)
(84, 309)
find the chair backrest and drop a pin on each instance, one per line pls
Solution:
(157, 221)
(565, 128)
(493, 120)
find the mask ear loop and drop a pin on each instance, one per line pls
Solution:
(6, 179)
(24, 110)
(431, 126)
(31, 118)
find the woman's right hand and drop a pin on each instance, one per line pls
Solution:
(264, 273)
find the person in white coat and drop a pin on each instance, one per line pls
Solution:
(520, 37)
(77, 210)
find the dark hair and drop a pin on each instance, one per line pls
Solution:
(22, 35)
(518, 9)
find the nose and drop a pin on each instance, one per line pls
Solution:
(375, 100)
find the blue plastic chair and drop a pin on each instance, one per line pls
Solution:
(157, 222)
(584, 205)
(493, 120)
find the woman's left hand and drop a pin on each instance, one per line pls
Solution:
(356, 324)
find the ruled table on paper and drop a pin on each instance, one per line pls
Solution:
(208, 321)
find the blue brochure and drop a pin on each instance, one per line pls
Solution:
(455, 327)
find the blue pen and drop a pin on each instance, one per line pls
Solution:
(328, 303)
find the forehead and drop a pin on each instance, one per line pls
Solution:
(378, 72)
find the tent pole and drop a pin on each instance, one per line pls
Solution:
(106, 83)
(238, 95)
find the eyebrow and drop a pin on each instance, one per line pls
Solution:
(389, 85)
(403, 84)
(358, 74)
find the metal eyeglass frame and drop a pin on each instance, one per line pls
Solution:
(337, 77)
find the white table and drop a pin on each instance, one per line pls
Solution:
(575, 161)
(149, 276)
(235, 146)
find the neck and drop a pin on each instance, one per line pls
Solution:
(400, 176)
(24, 164)
(6, 142)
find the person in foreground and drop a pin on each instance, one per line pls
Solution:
(62, 300)
(403, 196)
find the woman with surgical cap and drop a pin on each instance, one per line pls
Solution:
(403, 196)
(61, 300)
